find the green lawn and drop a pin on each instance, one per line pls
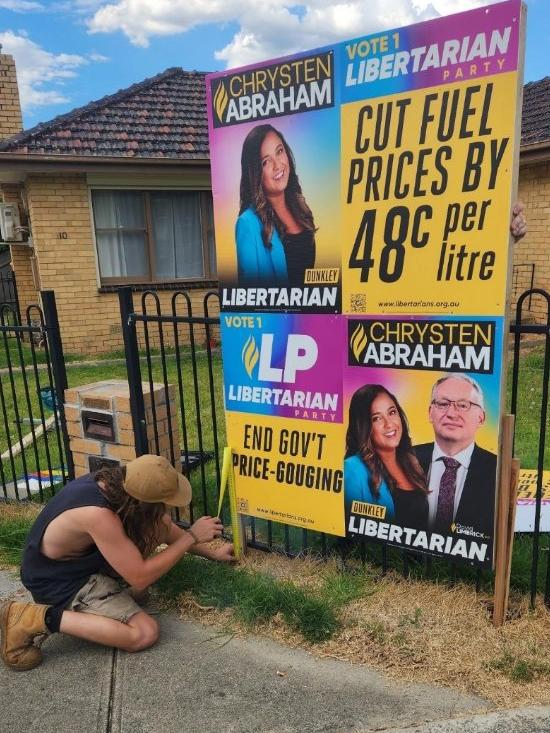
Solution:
(14, 351)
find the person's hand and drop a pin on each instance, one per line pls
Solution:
(206, 529)
(518, 225)
(224, 553)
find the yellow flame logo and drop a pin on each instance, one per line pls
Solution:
(221, 100)
(250, 355)
(358, 341)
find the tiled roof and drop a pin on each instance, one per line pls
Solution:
(535, 124)
(161, 117)
(165, 117)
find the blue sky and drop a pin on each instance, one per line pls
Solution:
(70, 52)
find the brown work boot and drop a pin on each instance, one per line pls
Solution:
(20, 623)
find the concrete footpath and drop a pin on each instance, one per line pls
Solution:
(199, 680)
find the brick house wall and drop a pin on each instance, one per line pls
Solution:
(89, 319)
(534, 248)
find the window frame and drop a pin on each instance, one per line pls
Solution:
(108, 282)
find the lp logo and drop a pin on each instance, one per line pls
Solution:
(301, 354)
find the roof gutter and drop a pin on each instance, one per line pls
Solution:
(36, 163)
(535, 152)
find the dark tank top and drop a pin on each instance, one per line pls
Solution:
(300, 255)
(411, 508)
(55, 582)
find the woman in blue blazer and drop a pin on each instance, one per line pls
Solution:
(275, 230)
(380, 466)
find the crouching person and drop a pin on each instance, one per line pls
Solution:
(90, 551)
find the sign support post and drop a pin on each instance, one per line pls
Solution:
(506, 515)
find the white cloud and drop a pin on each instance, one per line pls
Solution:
(269, 28)
(78, 7)
(21, 6)
(141, 19)
(38, 70)
(98, 57)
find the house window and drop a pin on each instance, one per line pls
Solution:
(154, 236)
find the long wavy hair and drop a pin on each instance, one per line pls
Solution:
(359, 441)
(252, 193)
(142, 521)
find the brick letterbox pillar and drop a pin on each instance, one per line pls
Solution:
(100, 429)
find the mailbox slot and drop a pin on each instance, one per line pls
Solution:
(98, 425)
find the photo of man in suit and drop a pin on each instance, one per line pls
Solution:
(461, 475)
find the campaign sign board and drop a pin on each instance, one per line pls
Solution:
(441, 359)
(253, 275)
(283, 400)
(362, 196)
(527, 501)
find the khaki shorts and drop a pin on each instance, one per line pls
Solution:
(105, 596)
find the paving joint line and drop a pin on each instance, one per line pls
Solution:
(112, 686)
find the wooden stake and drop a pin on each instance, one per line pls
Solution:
(502, 545)
(514, 480)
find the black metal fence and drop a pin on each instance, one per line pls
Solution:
(196, 368)
(34, 444)
(539, 414)
(183, 355)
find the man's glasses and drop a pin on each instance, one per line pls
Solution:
(460, 405)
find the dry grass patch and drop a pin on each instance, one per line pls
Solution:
(414, 631)
(24, 510)
(423, 632)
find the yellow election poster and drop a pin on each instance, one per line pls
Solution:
(283, 399)
(289, 471)
(362, 197)
(425, 226)
(526, 503)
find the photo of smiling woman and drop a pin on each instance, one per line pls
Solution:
(380, 466)
(275, 230)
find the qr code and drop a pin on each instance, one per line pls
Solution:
(242, 506)
(358, 303)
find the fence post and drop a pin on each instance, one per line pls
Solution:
(137, 406)
(59, 371)
(16, 297)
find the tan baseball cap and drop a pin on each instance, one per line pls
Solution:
(153, 479)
